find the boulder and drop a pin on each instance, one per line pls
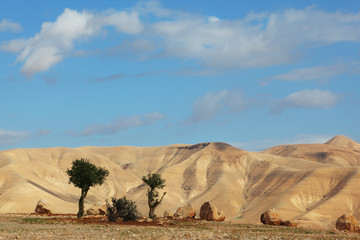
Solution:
(96, 210)
(103, 209)
(271, 217)
(42, 207)
(168, 214)
(347, 223)
(209, 212)
(186, 211)
(289, 224)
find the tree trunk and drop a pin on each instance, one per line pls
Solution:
(152, 213)
(81, 202)
(153, 205)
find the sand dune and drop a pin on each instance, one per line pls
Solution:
(312, 184)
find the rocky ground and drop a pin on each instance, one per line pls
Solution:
(30, 226)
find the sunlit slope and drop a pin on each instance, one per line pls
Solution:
(311, 184)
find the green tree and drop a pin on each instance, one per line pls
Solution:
(154, 181)
(84, 175)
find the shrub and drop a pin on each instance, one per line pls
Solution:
(122, 208)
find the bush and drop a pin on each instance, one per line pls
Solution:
(122, 208)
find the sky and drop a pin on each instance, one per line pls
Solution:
(253, 74)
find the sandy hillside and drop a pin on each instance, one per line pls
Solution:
(310, 184)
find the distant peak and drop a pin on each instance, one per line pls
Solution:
(343, 141)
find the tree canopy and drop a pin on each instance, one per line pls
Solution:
(154, 181)
(84, 175)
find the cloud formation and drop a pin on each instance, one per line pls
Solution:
(56, 39)
(8, 137)
(311, 73)
(122, 123)
(227, 102)
(211, 104)
(258, 39)
(107, 78)
(307, 98)
(8, 25)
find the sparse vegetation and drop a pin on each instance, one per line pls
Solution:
(122, 208)
(34, 220)
(195, 146)
(26, 226)
(84, 175)
(154, 181)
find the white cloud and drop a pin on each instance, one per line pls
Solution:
(312, 73)
(211, 104)
(257, 40)
(8, 25)
(155, 8)
(8, 137)
(122, 123)
(213, 19)
(316, 98)
(57, 39)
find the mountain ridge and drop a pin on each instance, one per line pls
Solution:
(303, 181)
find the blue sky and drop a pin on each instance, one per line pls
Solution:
(253, 74)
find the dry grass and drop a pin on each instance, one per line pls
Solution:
(26, 226)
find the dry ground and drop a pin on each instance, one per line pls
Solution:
(29, 226)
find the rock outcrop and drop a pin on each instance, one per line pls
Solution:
(42, 207)
(168, 214)
(347, 223)
(186, 211)
(96, 210)
(209, 212)
(271, 217)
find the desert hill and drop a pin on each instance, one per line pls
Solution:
(312, 184)
(343, 141)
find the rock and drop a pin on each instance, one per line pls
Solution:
(42, 207)
(347, 223)
(289, 224)
(186, 211)
(103, 209)
(209, 212)
(168, 214)
(271, 217)
(92, 211)
(140, 220)
(96, 210)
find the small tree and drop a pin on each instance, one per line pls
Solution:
(154, 181)
(122, 208)
(84, 175)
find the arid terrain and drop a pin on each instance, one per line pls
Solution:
(68, 227)
(310, 184)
